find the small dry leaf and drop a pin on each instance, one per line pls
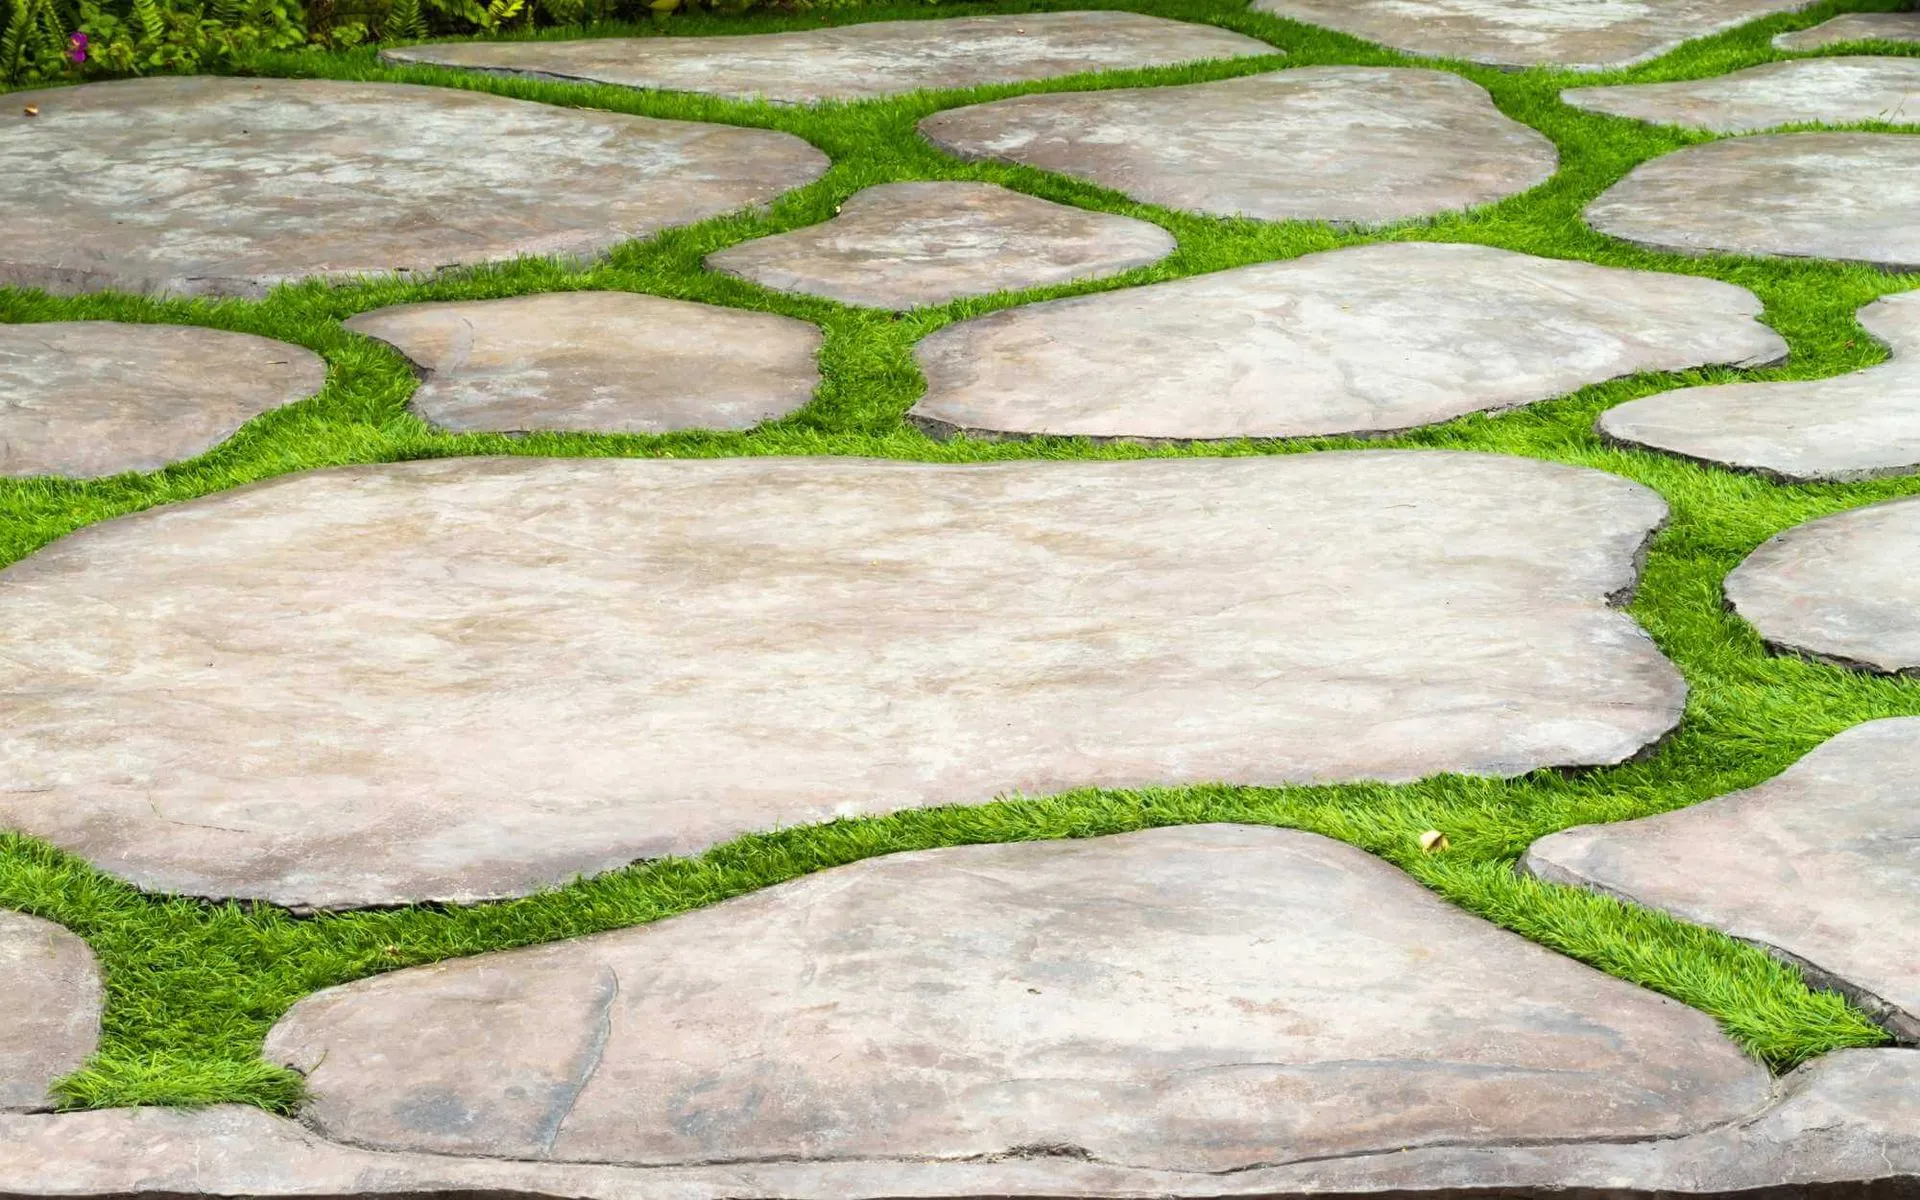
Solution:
(32, 110)
(1433, 840)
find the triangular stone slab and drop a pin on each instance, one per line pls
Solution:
(1854, 27)
(50, 1020)
(1834, 91)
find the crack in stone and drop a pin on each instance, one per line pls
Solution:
(549, 1131)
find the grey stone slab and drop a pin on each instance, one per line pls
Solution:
(1820, 864)
(1582, 34)
(859, 62)
(1353, 145)
(230, 186)
(87, 398)
(50, 1018)
(477, 677)
(901, 245)
(1844, 588)
(600, 362)
(1367, 339)
(1848, 196)
(1849, 427)
(1854, 27)
(1833, 91)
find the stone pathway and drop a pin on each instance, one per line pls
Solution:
(1854, 27)
(1834, 91)
(87, 398)
(50, 1021)
(1850, 427)
(599, 362)
(1355, 145)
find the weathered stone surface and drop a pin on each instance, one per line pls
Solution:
(606, 362)
(50, 1019)
(86, 398)
(1583, 34)
(1366, 339)
(1836, 91)
(1356, 145)
(901, 245)
(859, 62)
(1820, 864)
(1845, 588)
(1848, 196)
(229, 186)
(1854, 27)
(476, 677)
(1849, 427)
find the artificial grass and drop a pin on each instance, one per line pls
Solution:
(193, 987)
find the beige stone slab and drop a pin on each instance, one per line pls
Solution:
(49, 1010)
(902, 245)
(1832, 91)
(1353, 145)
(208, 186)
(87, 398)
(1363, 340)
(477, 677)
(599, 362)
(859, 62)
(1854, 27)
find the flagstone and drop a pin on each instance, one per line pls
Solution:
(1834, 91)
(1854, 27)
(1354, 145)
(50, 1021)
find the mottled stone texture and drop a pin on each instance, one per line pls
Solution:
(602, 362)
(477, 677)
(1836, 91)
(901, 245)
(859, 62)
(1368, 339)
(86, 398)
(229, 186)
(1356, 145)
(49, 1011)
(1854, 27)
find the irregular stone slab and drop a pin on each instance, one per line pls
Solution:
(1355, 145)
(1366, 339)
(1854, 27)
(1820, 864)
(1849, 427)
(605, 362)
(230, 186)
(50, 1022)
(858, 62)
(478, 677)
(87, 398)
(1844, 588)
(901, 245)
(1847, 196)
(1836, 91)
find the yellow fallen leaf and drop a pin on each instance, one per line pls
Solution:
(32, 110)
(1433, 840)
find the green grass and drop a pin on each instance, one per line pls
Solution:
(192, 988)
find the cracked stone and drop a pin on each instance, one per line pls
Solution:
(475, 677)
(1362, 340)
(604, 362)
(859, 62)
(901, 245)
(50, 1022)
(1833, 91)
(230, 186)
(89, 398)
(1854, 27)
(1849, 427)
(1354, 145)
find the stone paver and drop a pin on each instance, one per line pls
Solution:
(229, 186)
(901, 245)
(1848, 196)
(1836, 91)
(1355, 145)
(1367, 339)
(50, 1016)
(476, 677)
(606, 362)
(1855, 426)
(1820, 864)
(859, 62)
(1844, 588)
(86, 398)
(1854, 27)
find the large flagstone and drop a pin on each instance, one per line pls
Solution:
(1832, 91)
(49, 1010)
(1854, 27)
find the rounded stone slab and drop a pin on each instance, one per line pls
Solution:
(901, 245)
(1850, 427)
(89, 398)
(599, 362)
(1366, 339)
(1208, 998)
(1844, 588)
(1854, 27)
(1354, 145)
(859, 62)
(1835, 91)
(473, 678)
(1847, 196)
(230, 186)
(50, 1021)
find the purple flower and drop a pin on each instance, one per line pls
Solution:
(77, 47)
